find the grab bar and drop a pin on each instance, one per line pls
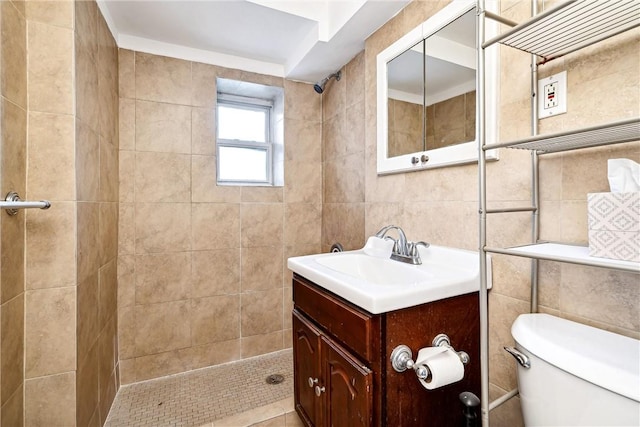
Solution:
(13, 202)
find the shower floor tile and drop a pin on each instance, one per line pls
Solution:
(233, 394)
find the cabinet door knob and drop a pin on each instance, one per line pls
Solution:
(312, 382)
(319, 390)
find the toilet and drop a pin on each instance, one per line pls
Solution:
(578, 375)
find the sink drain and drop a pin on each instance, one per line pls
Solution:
(275, 379)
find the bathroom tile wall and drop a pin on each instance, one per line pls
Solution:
(202, 275)
(96, 177)
(43, 310)
(13, 146)
(50, 279)
(440, 206)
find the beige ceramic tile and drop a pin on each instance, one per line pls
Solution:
(50, 71)
(261, 312)
(88, 316)
(378, 215)
(88, 248)
(58, 13)
(162, 277)
(50, 400)
(86, 13)
(162, 327)
(47, 159)
(13, 48)
(509, 413)
(87, 95)
(215, 272)
(127, 124)
(14, 147)
(51, 246)
(212, 354)
(12, 347)
(87, 174)
(504, 311)
(108, 232)
(108, 106)
(600, 294)
(13, 411)
(108, 292)
(126, 228)
(126, 333)
(126, 72)
(12, 249)
(303, 223)
(334, 98)
(302, 102)
(109, 171)
(262, 194)
(303, 182)
(162, 227)
(303, 140)
(163, 177)
(203, 85)
(343, 223)
(162, 79)
(203, 131)
(127, 170)
(160, 365)
(215, 319)
(223, 233)
(87, 387)
(344, 179)
(261, 268)
(261, 344)
(261, 224)
(203, 182)
(573, 221)
(108, 358)
(127, 371)
(163, 127)
(50, 331)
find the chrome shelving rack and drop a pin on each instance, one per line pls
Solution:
(566, 28)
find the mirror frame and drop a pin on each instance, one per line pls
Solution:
(457, 154)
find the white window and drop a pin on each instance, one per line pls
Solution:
(246, 146)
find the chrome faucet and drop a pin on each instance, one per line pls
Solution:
(403, 249)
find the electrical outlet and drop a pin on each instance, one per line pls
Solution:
(552, 95)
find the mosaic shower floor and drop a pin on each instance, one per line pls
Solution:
(231, 395)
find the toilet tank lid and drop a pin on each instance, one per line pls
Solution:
(608, 360)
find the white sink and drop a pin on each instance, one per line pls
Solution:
(372, 281)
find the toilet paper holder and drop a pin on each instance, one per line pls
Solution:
(402, 357)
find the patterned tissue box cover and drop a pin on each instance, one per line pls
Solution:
(614, 225)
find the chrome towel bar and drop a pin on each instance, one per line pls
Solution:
(13, 202)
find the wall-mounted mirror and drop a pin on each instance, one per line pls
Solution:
(427, 94)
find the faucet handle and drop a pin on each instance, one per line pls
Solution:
(413, 247)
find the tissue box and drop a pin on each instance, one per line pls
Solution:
(614, 225)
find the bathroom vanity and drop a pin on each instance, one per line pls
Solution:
(342, 370)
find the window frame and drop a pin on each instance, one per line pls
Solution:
(252, 104)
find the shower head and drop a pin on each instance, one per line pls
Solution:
(319, 87)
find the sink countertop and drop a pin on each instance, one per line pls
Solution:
(370, 280)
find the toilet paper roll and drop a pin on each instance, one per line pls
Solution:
(443, 363)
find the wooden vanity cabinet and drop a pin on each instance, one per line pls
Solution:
(342, 373)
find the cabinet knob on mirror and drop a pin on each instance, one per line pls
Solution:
(424, 158)
(312, 382)
(319, 390)
(415, 160)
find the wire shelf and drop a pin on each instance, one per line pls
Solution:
(571, 26)
(612, 133)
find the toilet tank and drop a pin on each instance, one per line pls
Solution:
(579, 375)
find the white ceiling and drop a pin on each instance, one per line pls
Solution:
(301, 40)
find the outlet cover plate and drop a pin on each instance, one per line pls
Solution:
(552, 95)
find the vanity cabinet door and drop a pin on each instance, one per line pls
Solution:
(347, 386)
(306, 365)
